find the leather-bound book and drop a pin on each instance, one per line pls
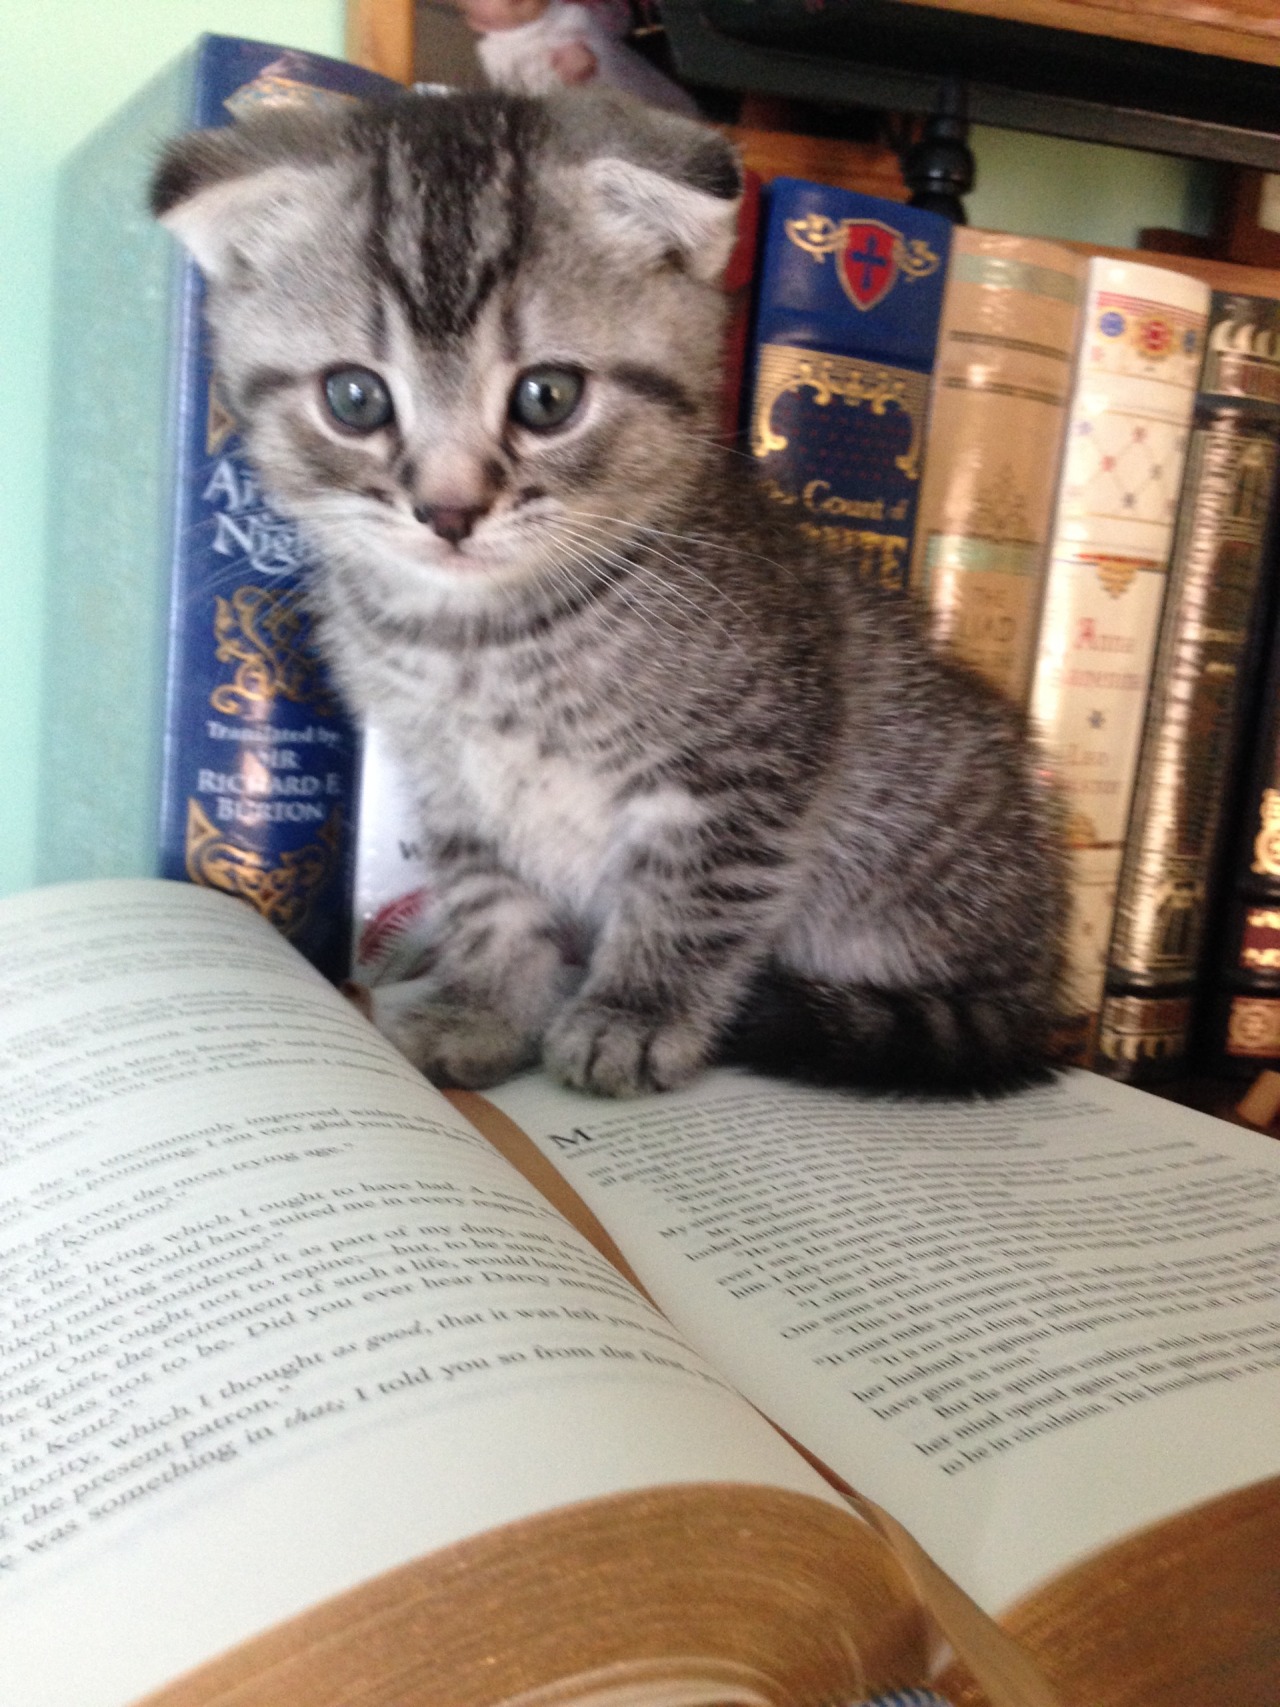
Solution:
(1217, 595)
(1001, 386)
(850, 291)
(1142, 342)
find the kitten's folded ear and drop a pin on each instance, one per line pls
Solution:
(223, 191)
(659, 184)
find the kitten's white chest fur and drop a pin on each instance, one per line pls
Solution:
(552, 813)
(553, 816)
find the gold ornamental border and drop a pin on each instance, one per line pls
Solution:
(786, 369)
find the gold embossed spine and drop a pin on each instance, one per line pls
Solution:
(1217, 597)
(1006, 350)
(1188, 743)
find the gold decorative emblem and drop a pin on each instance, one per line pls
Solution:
(1080, 831)
(870, 256)
(1266, 844)
(785, 369)
(266, 634)
(220, 424)
(275, 87)
(1115, 574)
(285, 893)
(1137, 1029)
(1253, 1027)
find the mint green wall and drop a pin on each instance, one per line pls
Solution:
(65, 64)
(1042, 186)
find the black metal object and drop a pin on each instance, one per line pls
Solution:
(890, 55)
(938, 168)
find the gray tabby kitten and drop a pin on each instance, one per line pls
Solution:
(689, 791)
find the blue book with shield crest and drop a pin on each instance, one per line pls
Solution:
(190, 729)
(849, 299)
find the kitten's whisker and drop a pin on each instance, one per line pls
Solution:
(620, 619)
(686, 568)
(687, 537)
(621, 576)
(655, 585)
(718, 444)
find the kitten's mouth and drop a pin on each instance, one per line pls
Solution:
(472, 560)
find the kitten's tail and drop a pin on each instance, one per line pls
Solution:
(921, 1042)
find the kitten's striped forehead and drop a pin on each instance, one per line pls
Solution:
(451, 206)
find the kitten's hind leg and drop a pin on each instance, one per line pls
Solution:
(496, 971)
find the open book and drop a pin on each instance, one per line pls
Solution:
(309, 1397)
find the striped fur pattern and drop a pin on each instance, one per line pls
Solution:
(689, 791)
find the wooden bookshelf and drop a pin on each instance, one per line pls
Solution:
(1230, 29)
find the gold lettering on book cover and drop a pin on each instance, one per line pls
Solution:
(878, 559)
(1260, 944)
(785, 370)
(1266, 844)
(283, 893)
(266, 634)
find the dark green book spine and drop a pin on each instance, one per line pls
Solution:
(1216, 594)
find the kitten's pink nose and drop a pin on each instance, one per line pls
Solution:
(451, 521)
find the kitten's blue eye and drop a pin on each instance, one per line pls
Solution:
(544, 398)
(357, 399)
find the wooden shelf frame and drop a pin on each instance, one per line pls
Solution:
(379, 37)
(1197, 78)
(1019, 75)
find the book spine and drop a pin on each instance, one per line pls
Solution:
(258, 788)
(1142, 339)
(1236, 1025)
(103, 662)
(391, 878)
(739, 277)
(1006, 350)
(1216, 589)
(846, 330)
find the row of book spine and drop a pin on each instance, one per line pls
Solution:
(1091, 530)
(1070, 460)
(1135, 639)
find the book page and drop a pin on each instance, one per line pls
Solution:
(1025, 1328)
(274, 1319)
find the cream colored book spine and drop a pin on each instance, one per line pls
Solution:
(1006, 349)
(1142, 340)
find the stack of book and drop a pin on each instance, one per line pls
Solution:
(1084, 489)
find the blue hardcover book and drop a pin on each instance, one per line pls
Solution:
(849, 298)
(190, 731)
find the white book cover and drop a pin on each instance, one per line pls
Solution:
(1142, 342)
(390, 879)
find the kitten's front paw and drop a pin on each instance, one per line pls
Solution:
(466, 1048)
(617, 1052)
